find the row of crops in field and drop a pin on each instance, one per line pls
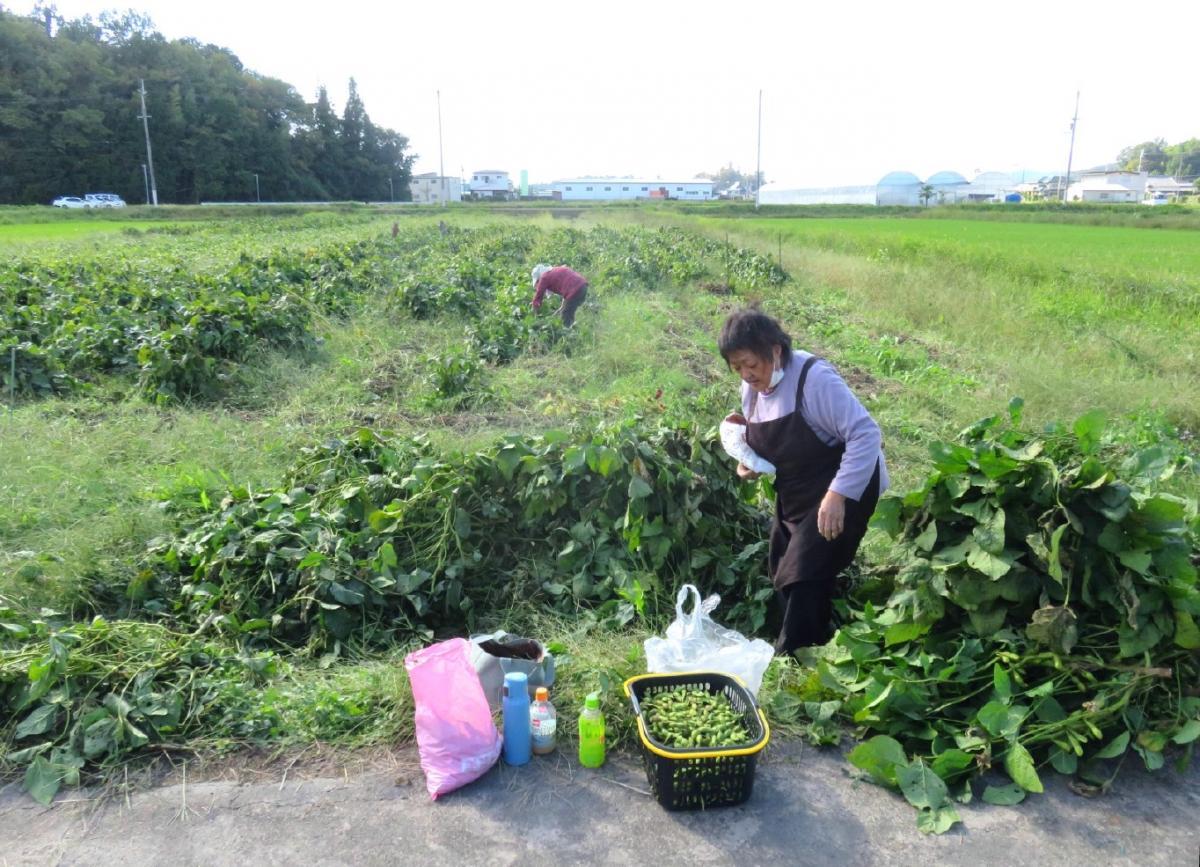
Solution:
(372, 540)
(176, 333)
(1035, 611)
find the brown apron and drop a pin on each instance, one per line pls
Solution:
(805, 467)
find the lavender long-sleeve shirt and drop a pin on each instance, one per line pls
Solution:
(835, 416)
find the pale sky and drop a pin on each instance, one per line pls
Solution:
(660, 88)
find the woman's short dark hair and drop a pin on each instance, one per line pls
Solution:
(754, 330)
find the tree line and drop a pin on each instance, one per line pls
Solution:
(1159, 158)
(70, 121)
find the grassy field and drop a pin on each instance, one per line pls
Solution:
(1058, 314)
(1120, 256)
(935, 323)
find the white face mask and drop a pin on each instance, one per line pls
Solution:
(776, 377)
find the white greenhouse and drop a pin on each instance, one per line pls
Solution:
(990, 187)
(783, 194)
(898, 188)
(948, 187)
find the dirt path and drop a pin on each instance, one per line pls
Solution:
(806, 809)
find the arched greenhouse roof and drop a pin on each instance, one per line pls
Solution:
(899, 179)
(993, 178)
(946, 179)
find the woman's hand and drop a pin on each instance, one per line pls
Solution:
(744, 472)
(831, 516)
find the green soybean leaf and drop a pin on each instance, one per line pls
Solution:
(602, 460)
(1115, 747)
(38, 722)
(992, 565)
(638, 488)
(1135, 642)
(928, 537)
(313, 558)
(898, 633)
(1048, 709)
(987, 621)
(921, 786)
(1187, 634)
(1088, 428)
(345, 594)
(1063, 761)
(508, 459)
(1019, 765)
(950, 458)
(880, 757)
(938, 820)
(1054, 560)
(1138, 561)
(1004, 796)
(1002, 683)
(462, 523)
(995, 716)
(887, 515)
(951, 762)
(574, 459)
(990, 535)
(42, 781)
(1153, 758)
(1188, 732)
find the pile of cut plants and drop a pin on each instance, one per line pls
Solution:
(1039, 617)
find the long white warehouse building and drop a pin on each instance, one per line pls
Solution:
(632, 188)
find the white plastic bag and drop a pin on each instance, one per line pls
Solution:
(733, 440)
(696, 642)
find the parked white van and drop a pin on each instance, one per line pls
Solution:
(103, 200)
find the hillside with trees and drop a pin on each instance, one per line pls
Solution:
(1159, 158)
(70, 121)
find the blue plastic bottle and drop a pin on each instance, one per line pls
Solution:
(518, 742)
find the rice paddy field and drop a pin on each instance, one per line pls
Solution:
(251, 458)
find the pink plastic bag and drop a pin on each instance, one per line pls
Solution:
(456, 736)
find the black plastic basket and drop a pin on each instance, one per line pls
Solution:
(699, 777)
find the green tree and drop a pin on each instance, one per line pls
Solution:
(1150, 155)
(69, 124)
(1183, 159)
(727, 176)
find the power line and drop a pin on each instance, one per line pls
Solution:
(149, 155)
(1071, 152)
(758, 166)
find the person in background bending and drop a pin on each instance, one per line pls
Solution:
(571, 285)
(827, 450)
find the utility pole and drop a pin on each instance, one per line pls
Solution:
(441, 159)
(149, 155)
(257, 194)
(146, 181)
(392, 187)
(1071, 152)
(758, 164)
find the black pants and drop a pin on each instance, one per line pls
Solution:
(571, 304)
(806, 606)
(805, 610)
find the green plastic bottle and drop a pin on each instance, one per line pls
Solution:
(591, 733)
